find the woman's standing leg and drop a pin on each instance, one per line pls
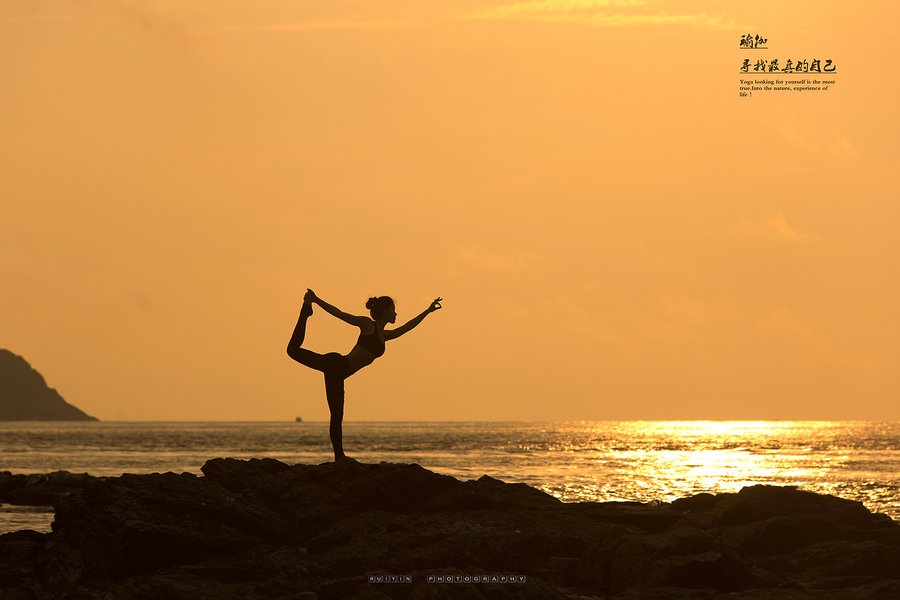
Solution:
(334, 392)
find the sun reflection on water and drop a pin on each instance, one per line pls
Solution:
(663, 461)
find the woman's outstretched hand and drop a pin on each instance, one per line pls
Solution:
(435, 305)
(310, 296)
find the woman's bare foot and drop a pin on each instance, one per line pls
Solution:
(306, 310)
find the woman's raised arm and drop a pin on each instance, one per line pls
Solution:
(390, 334)
(336, 312)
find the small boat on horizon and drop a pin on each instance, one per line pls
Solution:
(298, 419)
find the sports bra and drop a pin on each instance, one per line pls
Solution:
(371, 342)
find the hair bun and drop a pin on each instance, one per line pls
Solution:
(370, 303)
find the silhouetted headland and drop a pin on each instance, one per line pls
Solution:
(25, 396)
(263, 529)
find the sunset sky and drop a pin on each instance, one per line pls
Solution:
(615, 232)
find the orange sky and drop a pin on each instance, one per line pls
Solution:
(616, 234)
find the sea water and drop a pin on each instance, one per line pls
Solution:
(574, 461)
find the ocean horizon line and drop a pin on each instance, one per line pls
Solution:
(524, 421)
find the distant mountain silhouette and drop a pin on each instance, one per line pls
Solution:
(25, 396)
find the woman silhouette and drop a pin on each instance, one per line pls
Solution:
(369, 346)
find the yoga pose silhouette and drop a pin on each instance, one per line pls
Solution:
(337, 367)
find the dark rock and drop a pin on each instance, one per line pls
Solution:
(761, 502)
(652, 519)
(684, 557)
(40, 489)
(140, 523)
(25, 396)
(704, 501)
(20, 552)
(263, 529)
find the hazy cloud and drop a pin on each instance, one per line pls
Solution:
(602, 13)
(691, 311)
(818, 140)
(549, 7)
(782, 323)
(319, 25)
(37, 19)
(152, 23)
(775, 227)
(480, 257)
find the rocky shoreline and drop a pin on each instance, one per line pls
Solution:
(261, 529)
